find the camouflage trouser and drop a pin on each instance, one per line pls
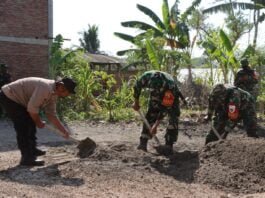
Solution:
(157, 112)
(223, 125)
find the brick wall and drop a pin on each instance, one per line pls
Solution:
(24, 30)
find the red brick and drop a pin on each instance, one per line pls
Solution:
(24, 19)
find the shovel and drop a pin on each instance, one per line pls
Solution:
(161, 149)
(86, 147)
(148, 126)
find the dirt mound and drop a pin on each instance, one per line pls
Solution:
(86, 147)
(235, 165)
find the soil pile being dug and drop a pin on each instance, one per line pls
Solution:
(236, 165)
(86, 147)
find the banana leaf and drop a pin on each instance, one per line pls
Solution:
(152, 15)
(166, 15)
(226, 7)
(125, 37)
(142, 26)
(153, 56)
(226, 41)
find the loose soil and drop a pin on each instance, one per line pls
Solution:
(231, 168)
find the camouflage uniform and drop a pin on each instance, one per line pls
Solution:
(247, 79)
(159, 83)
(230, 105)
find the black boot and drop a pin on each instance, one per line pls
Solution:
(168, 150)
(38, 152)
(143, 144)
(30, 161)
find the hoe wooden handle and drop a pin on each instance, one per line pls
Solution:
(148, 126)
(58, 132)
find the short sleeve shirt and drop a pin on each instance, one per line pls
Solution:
(33, 93)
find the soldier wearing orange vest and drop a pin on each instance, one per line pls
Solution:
(163, 100)
(228, 105)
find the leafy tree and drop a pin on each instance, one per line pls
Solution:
(90, 41)
(219, 48)
(172, 29)
(57, 57)
(229, 7)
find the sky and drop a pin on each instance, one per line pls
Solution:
(71, 17)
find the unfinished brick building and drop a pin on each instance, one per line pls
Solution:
(25, 29)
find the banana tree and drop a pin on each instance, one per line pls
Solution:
(172, 28)
(219, 48)
(229, 7)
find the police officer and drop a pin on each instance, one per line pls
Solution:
(22, 100)
(247, 78)
(229, 104)
(163, 100)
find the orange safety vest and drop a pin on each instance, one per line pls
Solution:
(233, 112)
(168, 99)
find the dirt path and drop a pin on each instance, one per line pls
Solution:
(234, 168)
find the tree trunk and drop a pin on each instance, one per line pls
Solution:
(256, 27)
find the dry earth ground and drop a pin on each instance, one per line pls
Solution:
(231, 168)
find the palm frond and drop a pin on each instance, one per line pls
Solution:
(166, 14)
(123, 52)
(125, 37)
(225, 7)
(190, 9)
(249, 51)
(142, 26)
(152, 15)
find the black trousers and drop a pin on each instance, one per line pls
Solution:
(23, 124)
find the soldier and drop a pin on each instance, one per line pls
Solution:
(5, 78)
(230, 104)
(247, 78)
(163, 100)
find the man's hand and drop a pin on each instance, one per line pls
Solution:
(37, 119)
(136, 105)
(66, 134)
(40, 124)
(153, 130)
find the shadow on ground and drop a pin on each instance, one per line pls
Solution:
(45, 176)
(181, 165)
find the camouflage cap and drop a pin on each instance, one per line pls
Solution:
(156, 80)
(218, 90)
(244, 62)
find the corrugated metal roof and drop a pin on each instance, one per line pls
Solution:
(103, 59)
